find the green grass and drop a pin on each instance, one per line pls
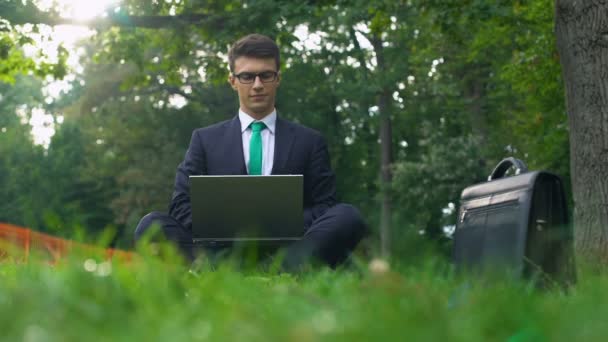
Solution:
(162, 300)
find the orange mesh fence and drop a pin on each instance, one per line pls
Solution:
(18, 243)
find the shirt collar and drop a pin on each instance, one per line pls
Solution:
(269, 120)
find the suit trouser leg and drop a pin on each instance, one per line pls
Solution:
(172, 230)
(330, 238)
(175, 232)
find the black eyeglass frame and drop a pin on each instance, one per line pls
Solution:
(275, 75)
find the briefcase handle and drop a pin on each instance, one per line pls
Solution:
(505, 164)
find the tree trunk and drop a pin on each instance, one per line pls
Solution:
(386, 155)
(478, 120)
(371, 151)
(386, 172)
(582, 40)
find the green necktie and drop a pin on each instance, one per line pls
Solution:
(255, 148)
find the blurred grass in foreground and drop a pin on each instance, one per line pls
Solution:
(161, 299)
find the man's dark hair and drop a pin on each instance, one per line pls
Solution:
(254, 45)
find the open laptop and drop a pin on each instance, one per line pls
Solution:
(243, 208)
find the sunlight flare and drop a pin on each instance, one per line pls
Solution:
(67, 36)
(77, 9)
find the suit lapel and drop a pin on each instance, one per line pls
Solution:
(284, 137)
(234, 147)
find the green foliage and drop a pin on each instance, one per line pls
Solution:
(77, 200)
(512, 55)
(18, 156)
(469, 83)
(47, 190)
(13, 62)
(446, 166)
(499, 85)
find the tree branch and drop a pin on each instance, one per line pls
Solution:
(359, 51)
(165, 88)
(178, 91)
(149, 21)
(18, 14)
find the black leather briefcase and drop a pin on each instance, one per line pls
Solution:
(516, 224)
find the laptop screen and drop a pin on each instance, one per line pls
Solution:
(238, 207)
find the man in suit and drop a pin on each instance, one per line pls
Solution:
(258, 142)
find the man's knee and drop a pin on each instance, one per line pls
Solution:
(350, 218)
(155, 217)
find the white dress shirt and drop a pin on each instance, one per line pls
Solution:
(267, 139)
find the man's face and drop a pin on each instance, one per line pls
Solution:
(256, 98)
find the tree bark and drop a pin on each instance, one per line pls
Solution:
(386, 153)
(386, 163)
(581, 29)
(478, 120)
(366, 103)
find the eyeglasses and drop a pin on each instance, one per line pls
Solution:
(249, 77)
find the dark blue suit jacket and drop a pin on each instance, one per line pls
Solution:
(218, 150)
